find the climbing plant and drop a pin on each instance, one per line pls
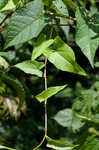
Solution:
(49, 28)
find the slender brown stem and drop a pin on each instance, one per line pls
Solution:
(59, 15)
(45, 80)
(51, 24)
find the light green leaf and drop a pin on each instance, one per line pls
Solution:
(70, 4)
(17, 2)
(97, 64)
(48, 93)
(61, 7)
(3, 3)
(31, 67)
(64, 50)
(40, 46)
(9, 6)
(91, 120)
(63, 57)
(26, 23)
(10, 55)
(4, 147)
(59, 145)
(3, 63)
(86, 38)
(66, 118)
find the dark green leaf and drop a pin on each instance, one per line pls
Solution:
(70, 4)
(15, 84)
(86, 38)
(25, 23)
(3, 3)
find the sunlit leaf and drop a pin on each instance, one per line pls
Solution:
(9, 6)
(63, 57)
(48, 93)
(3, 63)
(59, 145)
(4, 147)
(31, 67)
(40, 46)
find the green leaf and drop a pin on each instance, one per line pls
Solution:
(91, 142)
(16, 85)
(31, 67)
(10, 55)
(97, 64)
(26, 23)
(16, 2)
(86, 38)
(2, 17)
(3, 63)
(4, 147)
(95, 18)
(91, 120)
(48, 93)
(70, 4)
(61, 7)
(9, 6)
(3, 3)
(66, 118)
(40, 46)
(64, 50)
(63, 57)
(59, 145)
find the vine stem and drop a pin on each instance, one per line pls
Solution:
(59, 15)
(51, 24)
(45, 103)
(45, 82)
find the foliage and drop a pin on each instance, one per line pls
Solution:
(49, 74)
